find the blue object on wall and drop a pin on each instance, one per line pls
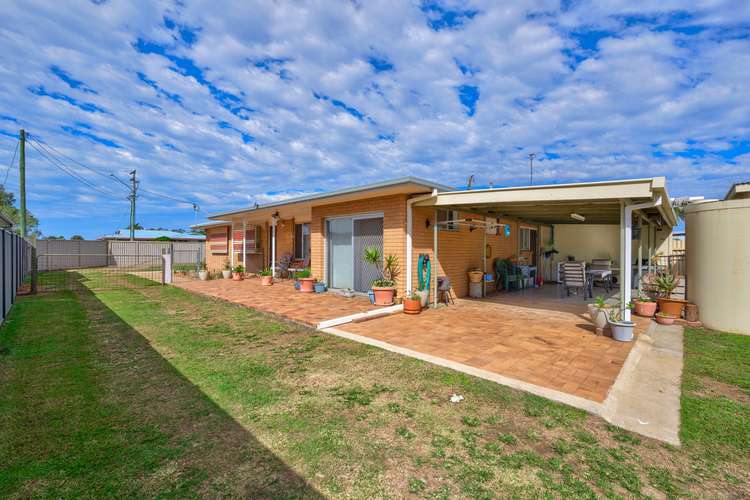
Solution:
(507, 230)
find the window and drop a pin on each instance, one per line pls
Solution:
(301, 240)
(525, 239)
(445, 216)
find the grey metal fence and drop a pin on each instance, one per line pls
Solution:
(184, 252)
(15, 266)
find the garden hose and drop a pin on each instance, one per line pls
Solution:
(424, 261)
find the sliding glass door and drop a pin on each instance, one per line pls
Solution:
(347, 239)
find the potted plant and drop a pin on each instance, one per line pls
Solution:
(320, 287)
(238, 273)
(306, 281)
(348, 293)
(598, 312)
(664, 318)
(203, 271)
(666, 283)
(622, 330)
(227, 271)
(266, 277)
(383, 288)
(644, 306)
(412, 303)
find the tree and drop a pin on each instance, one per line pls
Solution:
(53, 237)
(136, 226)
(76, 237)
(8, 206)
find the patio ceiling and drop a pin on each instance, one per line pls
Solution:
(597, 202)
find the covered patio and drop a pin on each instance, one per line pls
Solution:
(639, 210)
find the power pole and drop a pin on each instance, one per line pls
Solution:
(22, 180)
(531, 168)
(133, 191)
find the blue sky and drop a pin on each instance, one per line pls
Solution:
(229, 103)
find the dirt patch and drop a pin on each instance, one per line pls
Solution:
(715, 389)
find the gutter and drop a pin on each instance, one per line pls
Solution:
(409, 231)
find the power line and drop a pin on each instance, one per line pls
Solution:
(10, 165)
(57, 164)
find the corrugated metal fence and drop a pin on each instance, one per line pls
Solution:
(55, 255)
(15, 265)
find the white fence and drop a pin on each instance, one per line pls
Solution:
(57, 255)
(15, 265)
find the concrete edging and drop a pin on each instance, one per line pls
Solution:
(363, 316)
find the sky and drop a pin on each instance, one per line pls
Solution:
(226, 104)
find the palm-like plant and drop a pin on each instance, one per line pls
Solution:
(666, 283)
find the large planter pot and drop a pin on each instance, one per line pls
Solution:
(643, 308)
(226, 274)
(664, 320)
(320, 287)
(475, 276)
(307, 285)
(238, 276)
(203, 275)
(424, 297)
(266, 280)
(412, 306)
(599, 317)
(383, 295)
(672, 307)
(622, 331)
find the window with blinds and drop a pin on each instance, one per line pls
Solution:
(218, 240)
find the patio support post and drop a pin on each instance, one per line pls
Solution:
(650, 248)
(231, 245)
(244, 244)
(624, 264)
(409, 238)
(435, 257)
(273, 246)
(484, 260)
(640, 253)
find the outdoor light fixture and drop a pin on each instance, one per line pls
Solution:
(427, 223)
(578, 217)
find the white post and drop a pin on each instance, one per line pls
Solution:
(628, 264)
(640, 254)
(409, 238)
(650, 248)
(273, 247)
(622, 255)
(434, 264)
(484, 258)
(244, 244)
(231, 244)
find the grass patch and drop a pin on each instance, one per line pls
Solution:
(159, 392)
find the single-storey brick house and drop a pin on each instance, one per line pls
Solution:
(466, 228)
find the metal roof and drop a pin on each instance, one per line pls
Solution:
(152, 234)
(331, 194)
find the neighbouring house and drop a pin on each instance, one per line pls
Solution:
(621, 220)
(152, 235)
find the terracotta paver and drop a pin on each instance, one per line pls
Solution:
(552, 348)
(281, 298)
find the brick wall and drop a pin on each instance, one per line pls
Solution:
(394, 229)
(215, 257)
(458, 251)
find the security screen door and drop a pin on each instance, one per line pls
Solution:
(347, 239)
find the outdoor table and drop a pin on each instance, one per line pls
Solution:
(601, 274)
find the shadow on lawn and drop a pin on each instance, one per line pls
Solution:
(160, 418)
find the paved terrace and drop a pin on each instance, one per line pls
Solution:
(281, 298)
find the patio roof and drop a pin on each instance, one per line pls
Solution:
(597, 202)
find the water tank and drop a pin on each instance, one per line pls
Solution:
(718, 263)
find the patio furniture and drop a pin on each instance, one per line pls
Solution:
(574, 277)
(299, 265)
(282, 267)
(444, 292)
(508, 274)
(600, 270)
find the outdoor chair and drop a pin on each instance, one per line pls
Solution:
(574, 277)
(282, 267)
(509, 275)
(601, 272)
(300, 264)
(444, 290)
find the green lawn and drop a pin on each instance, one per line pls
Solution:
(155, 391)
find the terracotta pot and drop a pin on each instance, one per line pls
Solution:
(646, 309)
(412, 306)
(238, 276)
(383, 295)
(307, 285)
(266, 280)
(664, 320)
(673, 307)
(475, 276)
